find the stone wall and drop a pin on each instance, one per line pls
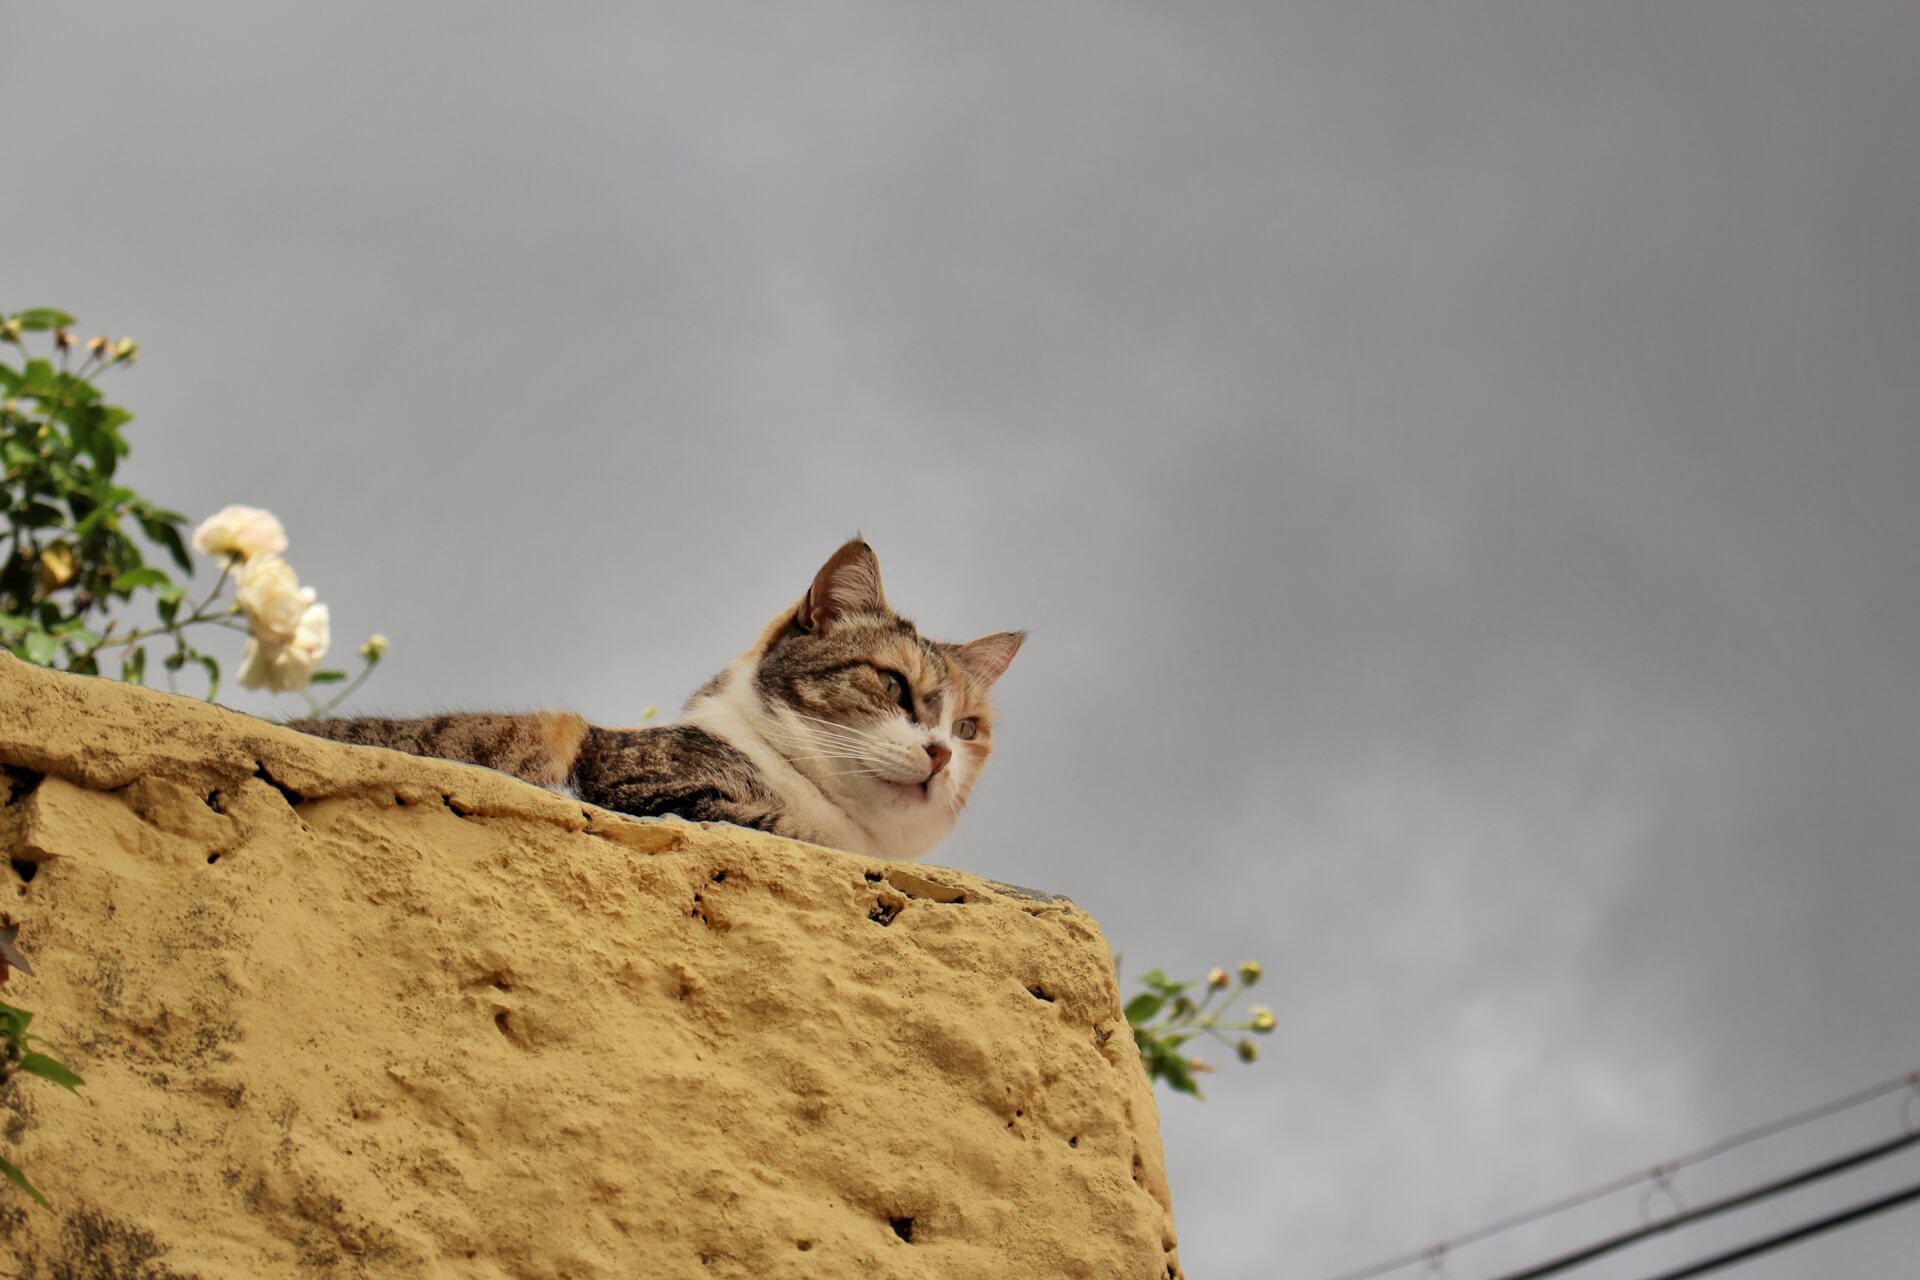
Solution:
(343, 1012)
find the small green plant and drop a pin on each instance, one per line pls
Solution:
(1165, 1018)
(17, 1057)
(79, 548)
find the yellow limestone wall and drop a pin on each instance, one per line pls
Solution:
(342, 1012)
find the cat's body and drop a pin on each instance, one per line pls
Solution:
(842, 726)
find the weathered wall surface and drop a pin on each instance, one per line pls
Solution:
(346, 1013)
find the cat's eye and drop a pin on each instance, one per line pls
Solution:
(966, 730)
(896, 686)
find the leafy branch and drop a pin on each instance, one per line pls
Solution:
(1165, 1018)
(70, 557)
(18, 1057)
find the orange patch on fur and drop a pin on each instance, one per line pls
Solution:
(558, 735)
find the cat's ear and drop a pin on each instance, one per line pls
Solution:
(988, 657)
(847, 583)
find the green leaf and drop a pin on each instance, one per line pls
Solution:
(19, 1180)
(39, 319)
(41, 647)
(38, 380)
(1178, 1073)
(134, 669)
(42, 515)
(1143, 1006)
(327, 677)
(78, 638)
(136, 578)
(168, 536)
(167, 608)
(175, 660)
(39, 1064)
(212, 668)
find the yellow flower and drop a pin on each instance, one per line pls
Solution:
(246, 532)
(57, 568)
(287, 667)
(270, 593)
(1263, 1019)
(375, 648)
(291, 631)
(1218, 979)
(1250, 971)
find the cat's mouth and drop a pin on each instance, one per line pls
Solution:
(912, 792)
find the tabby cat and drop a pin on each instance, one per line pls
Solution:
(842, 725)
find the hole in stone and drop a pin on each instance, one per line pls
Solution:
(287, 793)
(212, 858)
(1039, 992)
(24, 869)
(399, 802)
(874, 877)
(500, 1021)
(213, 801)
(883, 913)
(720, 877)
(20, 782)
(455, 809)
(499, 982)
(1074, 1141)
(803, 1245)
(902, 1227)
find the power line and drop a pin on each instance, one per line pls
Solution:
(1658, 1174)
(1805, 1231)
(1738, 1200)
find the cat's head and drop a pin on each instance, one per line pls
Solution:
(894, 728)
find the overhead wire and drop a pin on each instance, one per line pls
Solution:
(1794, 1235)
(1738, 1200)
(1658, 1173)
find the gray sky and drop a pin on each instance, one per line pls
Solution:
(1456, 461)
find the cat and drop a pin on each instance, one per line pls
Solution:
(842, 726)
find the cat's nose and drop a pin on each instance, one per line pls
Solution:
(937, 755)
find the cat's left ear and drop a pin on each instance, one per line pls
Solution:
(988, 657)
(849, 582)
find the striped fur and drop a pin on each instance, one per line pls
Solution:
(842, 725)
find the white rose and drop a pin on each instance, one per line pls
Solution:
(245, 532)
(270, 593)
(287, 667)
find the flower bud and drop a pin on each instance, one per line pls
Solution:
(98, 346)
(62, 339)
(375, 648)
(1248, 1051)
(1217, 979)
(1201, 1066)
(1182, 1006)
(1263, 1019)
(57, 568)
(126, 351)
(10, 330)
(1250, 971)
